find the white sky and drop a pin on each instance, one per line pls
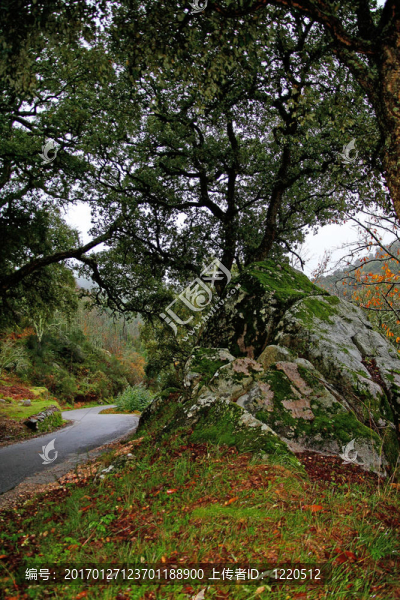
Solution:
(329, 237)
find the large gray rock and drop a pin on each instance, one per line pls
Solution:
(317, 373)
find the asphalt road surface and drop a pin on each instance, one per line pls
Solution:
(88, 430)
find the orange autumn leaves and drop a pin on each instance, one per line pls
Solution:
(379, 293)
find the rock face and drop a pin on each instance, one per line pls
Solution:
(308, 365)
(299, 370)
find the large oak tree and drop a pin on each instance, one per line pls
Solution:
(363, 37)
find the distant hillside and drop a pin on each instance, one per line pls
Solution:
(373, 264)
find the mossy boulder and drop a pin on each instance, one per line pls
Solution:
(353, 372)
(213, 419)
(298, 366)
(296, 402)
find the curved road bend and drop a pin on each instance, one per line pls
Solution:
(88, 430)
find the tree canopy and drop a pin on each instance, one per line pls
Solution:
(188, 136)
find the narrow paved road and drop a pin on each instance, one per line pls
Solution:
(88, 430)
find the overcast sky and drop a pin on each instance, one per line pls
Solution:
(329, 237)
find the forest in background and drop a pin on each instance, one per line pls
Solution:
(83, 355)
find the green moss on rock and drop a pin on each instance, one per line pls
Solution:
(315, 308)
(286, 283)
(220, 424)
(205, 363)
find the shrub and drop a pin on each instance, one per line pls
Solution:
(51, 422)
(13, 357)
(134, 398)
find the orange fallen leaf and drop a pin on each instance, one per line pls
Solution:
(344, 556)
(85, 508)
(172, 491)
(231, 500)
(3, 555)
(259, 590)
(313, 507)
(81, 595)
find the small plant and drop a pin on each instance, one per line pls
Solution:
(134, 398)
(101, 525)
(51, 422)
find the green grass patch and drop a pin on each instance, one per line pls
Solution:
(16, 411)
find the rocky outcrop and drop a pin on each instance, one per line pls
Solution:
(33, 421)
(300, 366)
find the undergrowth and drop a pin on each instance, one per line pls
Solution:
(177, 501)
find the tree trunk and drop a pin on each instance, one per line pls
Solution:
(388, 112)
(278, 191)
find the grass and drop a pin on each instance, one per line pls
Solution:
(16, 411)
(79, 405)
(176, 501)
(117, 411)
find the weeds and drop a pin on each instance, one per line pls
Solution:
(184, 502)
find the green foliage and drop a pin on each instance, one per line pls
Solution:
(13, 356)
(72, 369)
(77, 357)
(51, 422)
(134, 398)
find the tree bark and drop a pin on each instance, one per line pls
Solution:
(278, 191)
(388, 110)
(379, 77)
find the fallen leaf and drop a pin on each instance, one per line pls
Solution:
(259, 590)
(81, 595)
(231, 500)
(200, 595)
(313, 507)
(344, 556)
(172, 491)
(3, 556)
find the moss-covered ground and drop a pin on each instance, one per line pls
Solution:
(179, 501)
